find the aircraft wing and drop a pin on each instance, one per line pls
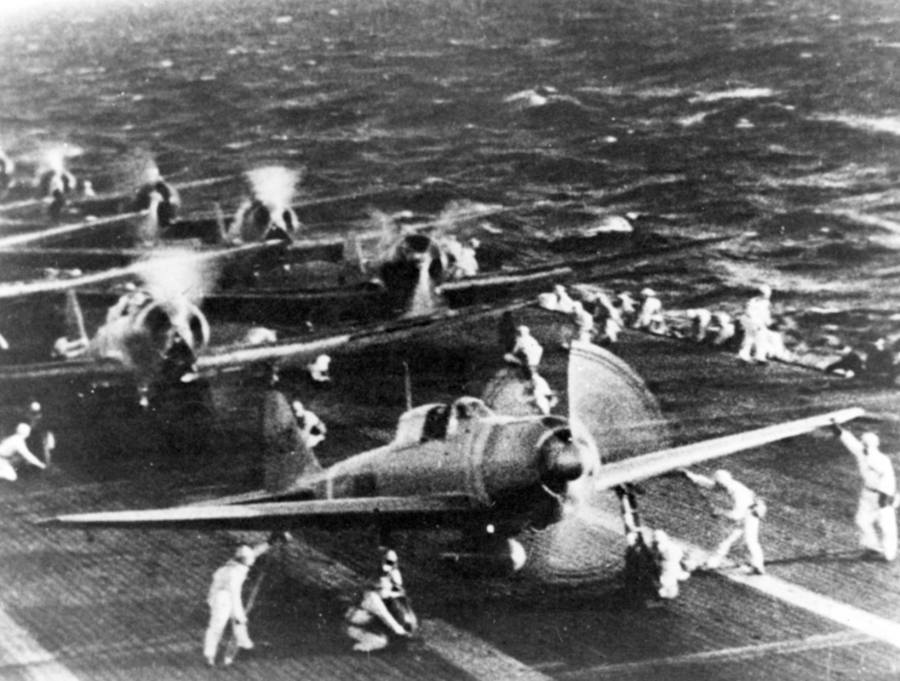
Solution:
(283, 515)
(17, 290)
(673, 458)
(84, 371)
(301, 351)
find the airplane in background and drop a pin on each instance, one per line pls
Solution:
(135, 344)
(153, 335)
(515, 485)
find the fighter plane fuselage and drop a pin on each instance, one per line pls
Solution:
(507, 463)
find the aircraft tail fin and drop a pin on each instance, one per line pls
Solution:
(75, 328)
(286, 458)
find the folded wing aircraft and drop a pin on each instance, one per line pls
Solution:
(513, 484)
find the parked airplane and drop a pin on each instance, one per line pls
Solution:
(511, 484)
(153, 334)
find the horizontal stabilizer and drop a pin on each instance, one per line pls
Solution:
(673, 458)
(281, 515)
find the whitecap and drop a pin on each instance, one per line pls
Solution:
(541, 96)
(607, 224)
(659, 93)
(878, 124)
(736, 93)
(284, 19)
(863, 219)
(532, 96)
(607, 90)
(693, 119)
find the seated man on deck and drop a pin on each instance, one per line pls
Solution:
(650, 316)
(880, 367)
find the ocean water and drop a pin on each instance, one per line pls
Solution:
(775, 123)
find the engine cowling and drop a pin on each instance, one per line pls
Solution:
(259, 221)
(161, 321)
(413, 271)
(151, 333)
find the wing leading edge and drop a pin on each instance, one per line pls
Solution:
(673, 458)
(283, 515)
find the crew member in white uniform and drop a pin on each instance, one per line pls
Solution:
(363, 619)
(670, 561)
(226, 602)
(15, 445)
(652, 558)
(527, 351)
(391, 570)
(650, 316)
(755, 323)
(319, 369)
(312, 430)
(628, 306)
(467, 260)
(700, 319)
(584, 323)
(725, 329)
(745, 513)
(564, 302)
(877, 510)
(544, 397)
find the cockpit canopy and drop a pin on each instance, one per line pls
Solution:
(436, 421)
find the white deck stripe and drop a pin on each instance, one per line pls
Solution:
(19, 649)
(880, 628)
(815, 642)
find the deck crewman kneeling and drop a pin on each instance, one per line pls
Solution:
(654, 563)
(383, 611)
(745, 513)
(877, 510)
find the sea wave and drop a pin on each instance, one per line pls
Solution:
(878, 124)
(735, 93)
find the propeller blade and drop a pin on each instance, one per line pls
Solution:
(611, 402)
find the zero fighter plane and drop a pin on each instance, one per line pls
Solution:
(513, 484)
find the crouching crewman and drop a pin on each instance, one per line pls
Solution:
(15, 445)
(670, 560)
(383, 611)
